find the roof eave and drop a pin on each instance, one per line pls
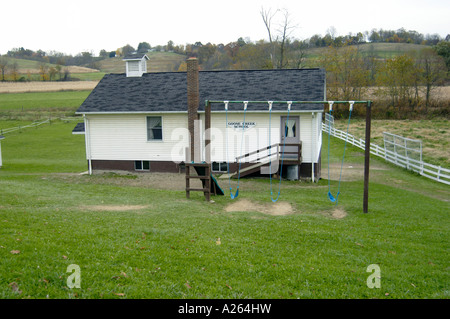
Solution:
(199, 111)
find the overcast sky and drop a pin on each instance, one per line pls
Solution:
(91, 25)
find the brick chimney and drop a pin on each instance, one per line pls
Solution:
(193, 101)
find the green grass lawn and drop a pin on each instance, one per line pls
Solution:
(93, 76)
(165, 245)
(41, 100)
(23, 108)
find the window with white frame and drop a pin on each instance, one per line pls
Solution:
(154, 128)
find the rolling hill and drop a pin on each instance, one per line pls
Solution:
(158, 62)
(30, 66)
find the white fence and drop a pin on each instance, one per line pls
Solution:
(433, 172)
(17, 128)
(329, 119)
(34, 124)
(407, 147)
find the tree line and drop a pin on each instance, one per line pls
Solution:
(405, 81)
(405, 85)
(280, 51)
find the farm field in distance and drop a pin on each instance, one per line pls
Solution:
(35, 86)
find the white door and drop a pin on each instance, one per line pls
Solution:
(290, 134)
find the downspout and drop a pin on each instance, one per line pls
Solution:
(88, 143)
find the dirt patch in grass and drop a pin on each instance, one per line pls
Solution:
(274, 209)
(350, 172)
(165, 181)
(338, 213)
(335, 213)
(114, 208)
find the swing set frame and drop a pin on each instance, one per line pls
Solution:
(368, 103)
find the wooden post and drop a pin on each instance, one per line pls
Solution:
(207, 186)
(188, 185)
(367, 158)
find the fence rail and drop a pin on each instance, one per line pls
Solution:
(17, 128)
(431, 171)
(37, 123)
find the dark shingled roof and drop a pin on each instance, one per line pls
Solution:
(78, 129)
(167, 92)
(135, 56)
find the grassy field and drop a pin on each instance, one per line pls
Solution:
(42, 100)
(25, 66)
(39, 105)
(135, 237)
(29, 70)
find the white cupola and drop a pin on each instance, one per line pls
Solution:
(136, 64)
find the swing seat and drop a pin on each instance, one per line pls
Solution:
(235, 195)
(332, 198)
(276, 199)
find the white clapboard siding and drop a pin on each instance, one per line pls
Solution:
(319, 136)
(124, 137)
(253, 138)
(257, 137)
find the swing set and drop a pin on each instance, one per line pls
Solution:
(289, 104)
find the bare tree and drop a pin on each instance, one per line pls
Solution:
(52, 72)
(285, 30)
(43, 68)
(3, 66)
(15, 71)
(280, 42)
(332, 32)
(432, 69)
(267, 17)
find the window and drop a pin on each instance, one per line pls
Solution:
(290, 129)
(219, 167)
(142, 165)
(154, 128)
